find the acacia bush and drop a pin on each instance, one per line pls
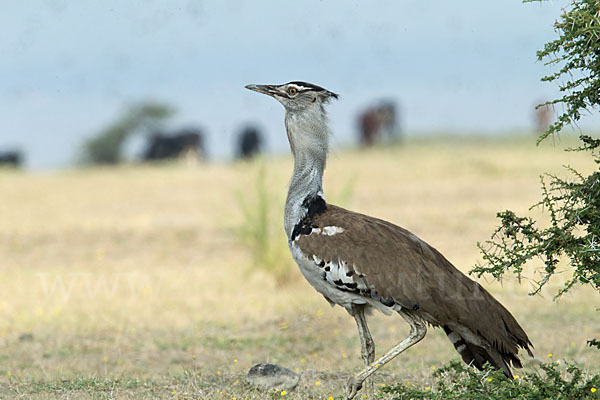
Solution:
(573, 204)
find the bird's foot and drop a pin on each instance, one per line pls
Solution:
(352, 388)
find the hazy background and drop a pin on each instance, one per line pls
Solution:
(69, 68)
(172, 280)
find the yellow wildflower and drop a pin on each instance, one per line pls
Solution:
(317, 383)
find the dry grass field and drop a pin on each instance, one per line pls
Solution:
(132, 282)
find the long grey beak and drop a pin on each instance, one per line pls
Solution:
(265, 89)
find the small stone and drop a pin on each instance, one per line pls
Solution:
(25, 337)
(272, 376)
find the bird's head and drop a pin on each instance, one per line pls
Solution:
(297, 96)
(305, 116)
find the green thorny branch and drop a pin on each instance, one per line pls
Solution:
(574, 232)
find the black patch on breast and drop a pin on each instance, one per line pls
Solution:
(315, 205)
(303, 230)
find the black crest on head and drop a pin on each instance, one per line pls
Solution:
(311, 86)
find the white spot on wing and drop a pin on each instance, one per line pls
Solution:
(332, 230)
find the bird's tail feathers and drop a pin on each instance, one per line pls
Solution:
(477, 356)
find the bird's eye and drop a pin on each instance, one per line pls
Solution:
(292, 91)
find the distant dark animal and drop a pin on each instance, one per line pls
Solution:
(184, 143)
(543, 118)
(11, 158)
(377, 121)
(249, 143)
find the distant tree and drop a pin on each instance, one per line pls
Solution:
(105, 146)
(573, 205)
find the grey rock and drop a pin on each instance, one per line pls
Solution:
(26, 337)
(272, 376)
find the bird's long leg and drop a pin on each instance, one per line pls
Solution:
(417, 332)
(366, 341)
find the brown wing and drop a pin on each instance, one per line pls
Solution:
(400, 266)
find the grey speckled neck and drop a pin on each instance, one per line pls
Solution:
(308, 133)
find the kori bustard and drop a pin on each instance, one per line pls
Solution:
(362, 263)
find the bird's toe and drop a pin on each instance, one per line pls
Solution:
(352, 388)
